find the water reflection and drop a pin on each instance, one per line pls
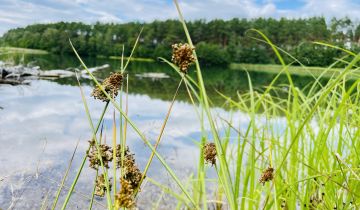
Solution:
(53, 112)
(47, 111)
(217, 79)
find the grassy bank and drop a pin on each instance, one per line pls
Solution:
(17, 50)
(294, 70)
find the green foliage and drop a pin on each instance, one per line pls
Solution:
(211, 54)
(230, 37)
(323, 56)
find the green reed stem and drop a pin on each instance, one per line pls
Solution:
(143, 138)
(93, 191)
(160, 135)
(64, 178)
(83, 161)
(225, 176)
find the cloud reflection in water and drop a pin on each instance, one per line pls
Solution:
(48, 111)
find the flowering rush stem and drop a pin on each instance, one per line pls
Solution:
(160, 135)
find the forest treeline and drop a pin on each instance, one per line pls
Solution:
(218, 42)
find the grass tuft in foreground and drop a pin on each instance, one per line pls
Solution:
(297, 151)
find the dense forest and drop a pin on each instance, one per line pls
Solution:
(217, 41)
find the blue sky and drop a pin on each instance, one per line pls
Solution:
(18, 13)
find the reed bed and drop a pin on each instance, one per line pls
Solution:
(296, 152)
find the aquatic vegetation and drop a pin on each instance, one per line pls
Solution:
(307, 136)
(131, 174)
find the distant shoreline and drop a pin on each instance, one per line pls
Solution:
(294, 70)
(264, 68)
(18, 50)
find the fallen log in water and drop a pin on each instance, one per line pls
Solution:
(13, 82)
(56, 73)
(16, 75)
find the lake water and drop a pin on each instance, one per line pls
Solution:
(41, 123)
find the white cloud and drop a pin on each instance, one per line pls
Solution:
(104, 16)
(45, 110)
(330, 8)
(211, 9)
(8, 20)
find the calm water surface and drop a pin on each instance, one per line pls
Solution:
(41, 123)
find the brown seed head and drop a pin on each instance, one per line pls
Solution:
(124, 198)
(130, 179)
(131, 172)
(105, 154)
(267, 175)
(182, 56)
(111, 86)
(119, 161)
(100, 186)
(210, 153)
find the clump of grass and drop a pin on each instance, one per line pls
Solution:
(132, 174)
(314, 125)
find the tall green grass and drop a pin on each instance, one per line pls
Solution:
(310, 138)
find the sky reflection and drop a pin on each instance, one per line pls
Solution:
(48, 112)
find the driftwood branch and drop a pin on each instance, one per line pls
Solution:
(12, 82)
(16, 75)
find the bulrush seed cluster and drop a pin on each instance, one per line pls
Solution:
(130, 179)
(210, 153)
(131, 174)
(100, 186)
(119, 162)
(124, 198)
(105, 153)
(131, 171)
(111, 86)
(182, 56)
(318, 196)
(267, 175)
